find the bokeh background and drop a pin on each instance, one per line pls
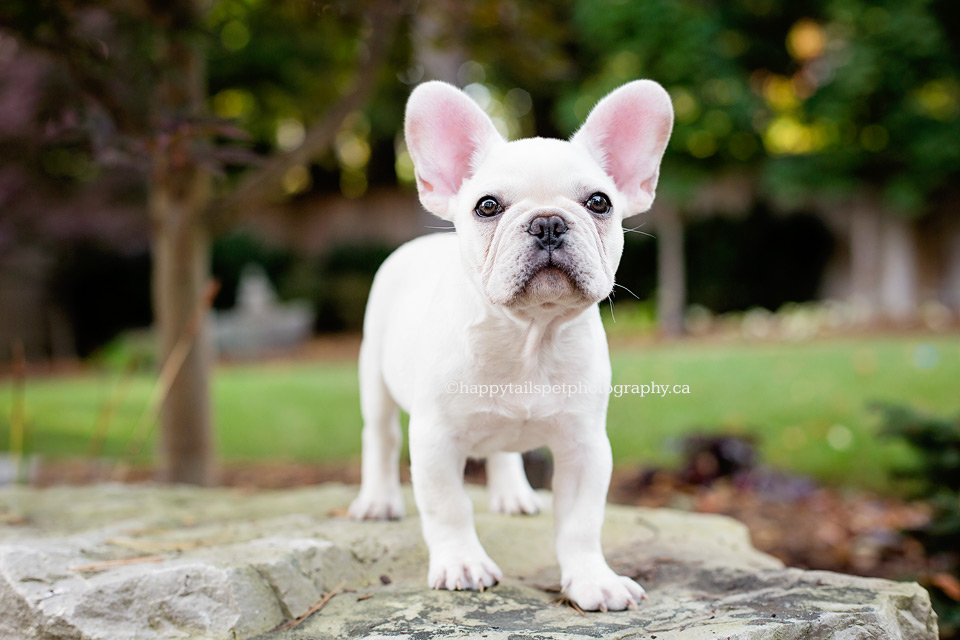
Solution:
(195, 195)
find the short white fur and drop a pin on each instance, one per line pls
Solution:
(495, 303)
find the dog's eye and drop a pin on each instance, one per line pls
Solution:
(598, 203)
(488, 207)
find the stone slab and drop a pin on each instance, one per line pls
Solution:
(113, 562)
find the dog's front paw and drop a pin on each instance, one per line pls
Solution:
(465, 571)
(370, 505)
(603, 590)
(515, 501)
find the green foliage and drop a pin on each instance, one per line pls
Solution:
(275, 60)
(935, 476)
(131, 351)
(275, 68)
(522, 43)
(817, 97)
(936, 473)
(691, 49)
(821, 97)
(106, 69)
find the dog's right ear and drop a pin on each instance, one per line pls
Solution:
(447, 135)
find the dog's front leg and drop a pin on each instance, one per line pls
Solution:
(581, 478)
(457, 559)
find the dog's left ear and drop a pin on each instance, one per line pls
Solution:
(627, 133)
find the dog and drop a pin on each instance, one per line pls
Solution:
(491, 338)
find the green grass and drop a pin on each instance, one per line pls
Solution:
(304, 412)
(806, 403)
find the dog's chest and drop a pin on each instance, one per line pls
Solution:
(511, 424)
(511, 409)
(524, 389)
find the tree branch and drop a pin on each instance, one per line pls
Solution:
(85, 65)
(259, 184)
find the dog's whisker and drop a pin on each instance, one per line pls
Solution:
(642, 233)
(627, 290)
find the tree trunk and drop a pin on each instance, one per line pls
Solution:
(181, 271)
(898, 274)
(179, 196)
(864, 259)
(671, 271)
(951, 278)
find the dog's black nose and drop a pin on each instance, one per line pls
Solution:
(548, 230)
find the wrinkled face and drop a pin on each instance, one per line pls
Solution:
(539, 225)
(539, 220)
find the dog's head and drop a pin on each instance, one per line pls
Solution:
(539, 220)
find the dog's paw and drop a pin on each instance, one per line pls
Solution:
(603, 590)
(455, 572)
(515, 501)
(377, 506)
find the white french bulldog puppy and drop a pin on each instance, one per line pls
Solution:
(509, 299)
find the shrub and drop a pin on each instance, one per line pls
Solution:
(934, 477)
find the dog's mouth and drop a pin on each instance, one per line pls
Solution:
(549, 279)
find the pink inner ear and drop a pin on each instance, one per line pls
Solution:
(456, 133)
(445, 131)
(628, 132)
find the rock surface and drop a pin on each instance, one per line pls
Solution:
(144, 563)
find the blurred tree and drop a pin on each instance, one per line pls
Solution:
(694, 50)
(871, 107)
(136, 78)
(811, 103)
(802, 105)
(49, 143)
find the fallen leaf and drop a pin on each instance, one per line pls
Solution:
(947, 583)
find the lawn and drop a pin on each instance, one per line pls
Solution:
(805, 402)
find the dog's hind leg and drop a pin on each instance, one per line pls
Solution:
(507, 485)
(380, 497)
